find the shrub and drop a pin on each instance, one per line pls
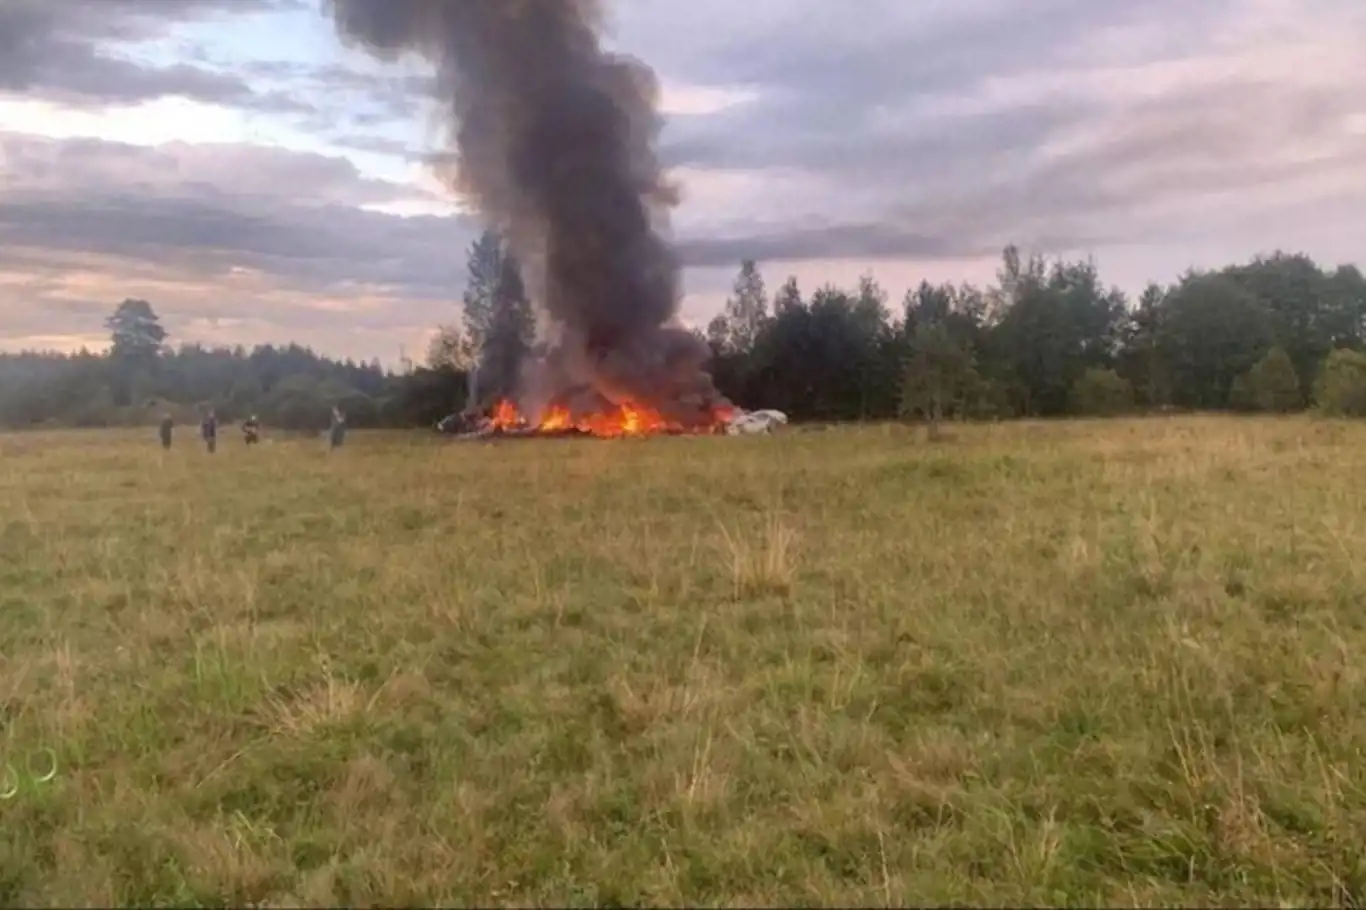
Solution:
(1102, 393)
(1270, 385)
(1340, 390)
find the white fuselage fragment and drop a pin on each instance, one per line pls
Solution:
(752, 423)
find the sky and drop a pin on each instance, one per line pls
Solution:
(256, 180)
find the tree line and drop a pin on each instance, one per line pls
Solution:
(140, 378)
(1048, 338)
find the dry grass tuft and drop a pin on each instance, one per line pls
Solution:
(764, 565)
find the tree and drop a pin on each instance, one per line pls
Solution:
(789, 297)
(737, 328)
(718, 335)
(135, 331)
(1340, 390)
(1346, 302)
(509, 336)
(812, 361)
(499, 321)
(881, 357)
(1138, 360)
(870, 304)
(926, 305)
(450, 348)
(425, 396)
(484, 269)
(1054, 324)
(846, 341)
(1308, 314)
(136, 338)
(1211, 331)
(280, 384)
(937, 374)
(1271, 384)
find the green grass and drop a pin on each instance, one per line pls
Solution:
(1073, 663)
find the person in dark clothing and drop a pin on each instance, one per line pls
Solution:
(167, 425)
(209, 430)
(251, 430)
(336, 432)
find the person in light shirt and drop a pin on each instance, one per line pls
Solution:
(336, 432)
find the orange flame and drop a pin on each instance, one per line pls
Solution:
(505, 416)
(625, 420)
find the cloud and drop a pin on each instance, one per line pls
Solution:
(1065, 123)
(78, 52)
(213, 234)
(297, 216)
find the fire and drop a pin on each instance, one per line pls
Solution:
(556, 419)
(505, 416)
(625, 420)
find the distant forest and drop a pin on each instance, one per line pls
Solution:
(1048, 338)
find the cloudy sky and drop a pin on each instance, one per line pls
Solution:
(233, 163)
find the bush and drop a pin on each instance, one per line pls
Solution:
(1340, 390)
(1102, 393)
(1270, 385)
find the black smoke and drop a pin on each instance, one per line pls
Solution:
(555, 144)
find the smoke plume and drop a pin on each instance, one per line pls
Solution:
(554, 139)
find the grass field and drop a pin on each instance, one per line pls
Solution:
(1071, 663)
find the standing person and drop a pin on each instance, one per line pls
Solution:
(209, 430)
(167, 425)
(336, 432)
(251, 430)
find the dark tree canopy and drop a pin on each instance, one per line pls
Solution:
(135, 331)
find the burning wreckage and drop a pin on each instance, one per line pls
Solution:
(584, 412)
(621, 421)
(554, 138)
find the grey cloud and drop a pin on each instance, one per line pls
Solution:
(264, 175)
(351, 108)
(865, 108)
(963, 197)
(1052, 210)
(820, 241)
(833, 67)
(1171, 151)
(230, 243)
(914, 155)
(68, 51)
(380, 145)
(290, 215)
